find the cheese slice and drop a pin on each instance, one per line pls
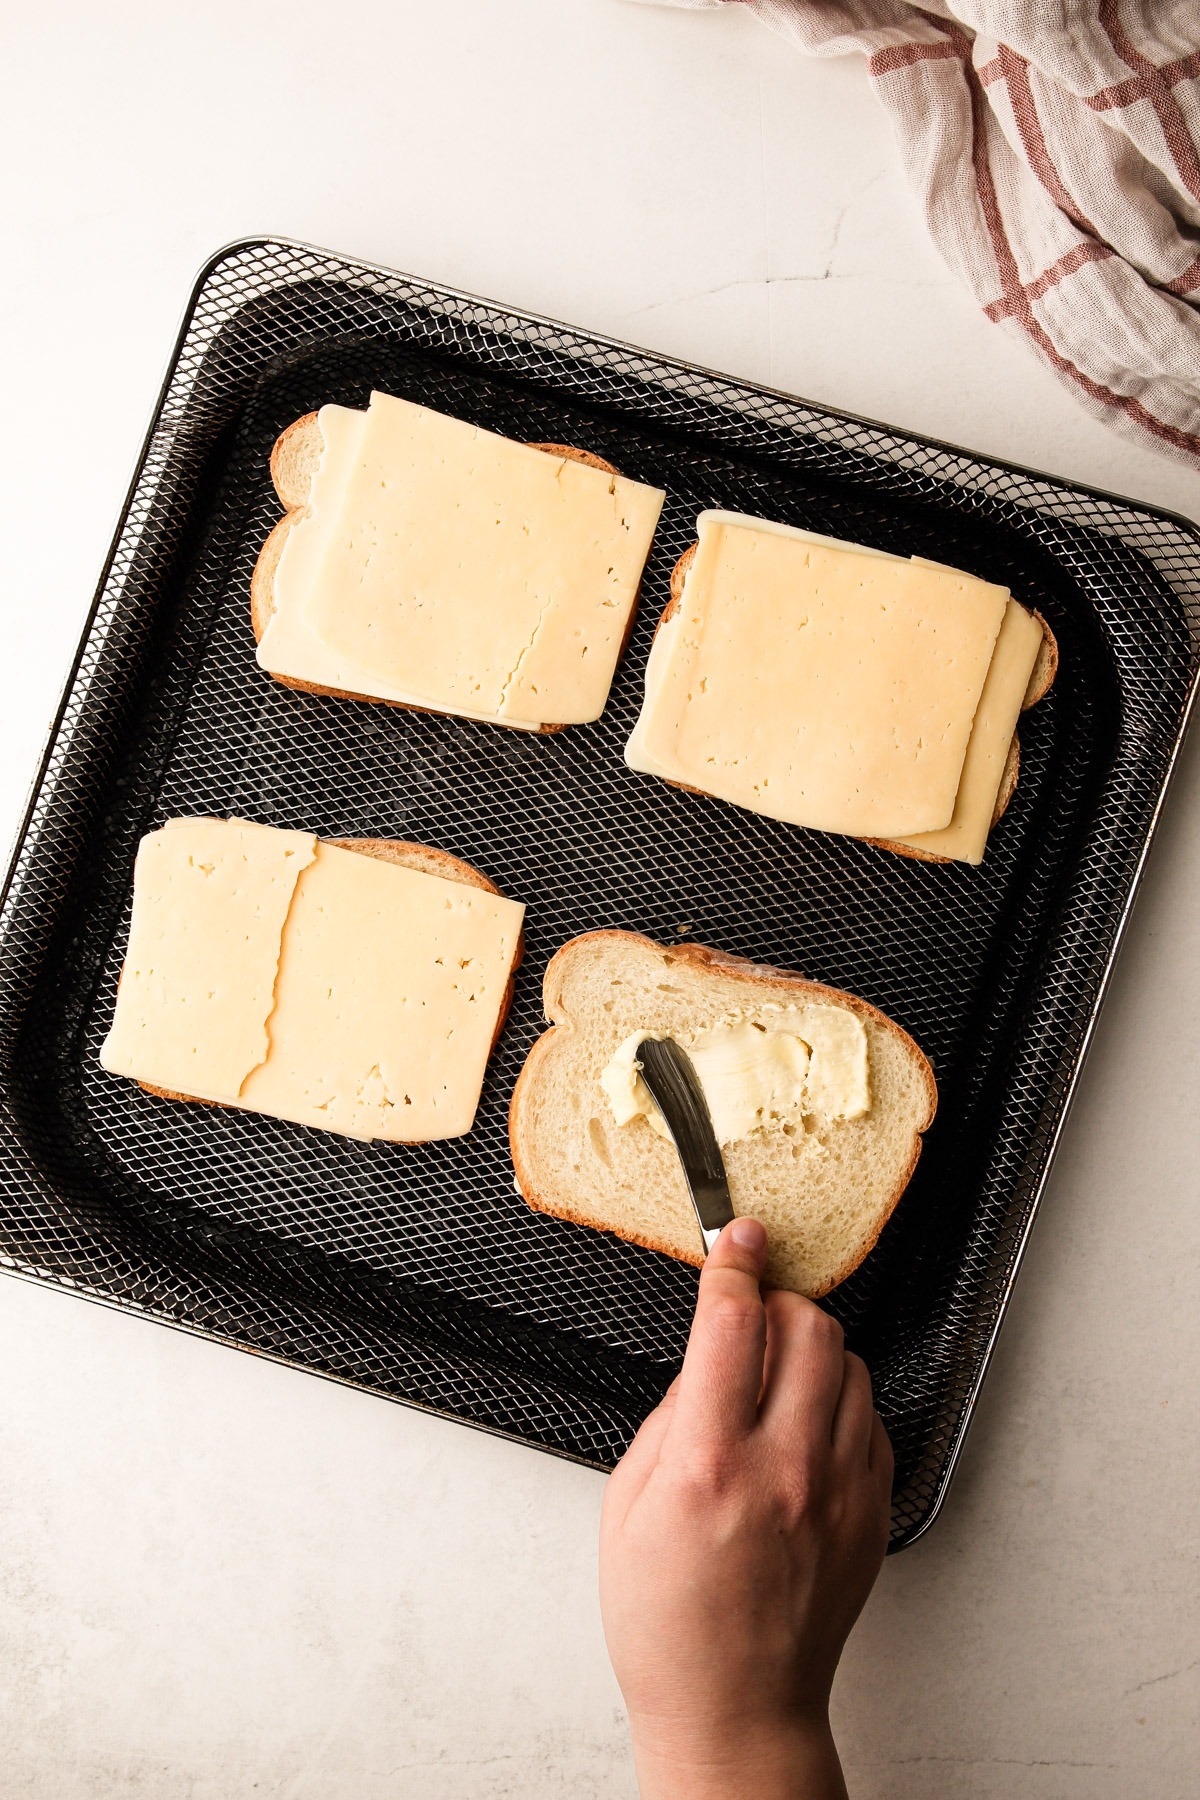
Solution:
(391, 986)
(210, 899)
(443, 566)
(965, 838)
(270, 971)
(824, 684)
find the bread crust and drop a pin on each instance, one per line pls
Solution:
(703, 958)
(573, 454)
(1044, 669)
(1041, 681)
(294, 458)
(429, 862)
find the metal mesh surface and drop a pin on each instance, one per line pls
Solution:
(419, 1272)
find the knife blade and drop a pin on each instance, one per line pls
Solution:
(674, 1086)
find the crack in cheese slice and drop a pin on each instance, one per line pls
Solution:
(446, 567)
(825, 684)
(273, 972)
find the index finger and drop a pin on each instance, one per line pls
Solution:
(722, 1373)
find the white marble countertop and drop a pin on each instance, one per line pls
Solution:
(221, 1578)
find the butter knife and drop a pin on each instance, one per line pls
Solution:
(675, 1089)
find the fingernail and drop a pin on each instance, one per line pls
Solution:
(748, 1234)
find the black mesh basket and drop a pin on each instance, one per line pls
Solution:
(418, 1272)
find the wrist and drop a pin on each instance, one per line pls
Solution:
(793, 1758)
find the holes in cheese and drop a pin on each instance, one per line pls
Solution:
(273, 972)
(442, 566)
(837, 687)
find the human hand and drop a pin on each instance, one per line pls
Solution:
(741, 1534)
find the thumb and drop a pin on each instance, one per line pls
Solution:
(722, 1373)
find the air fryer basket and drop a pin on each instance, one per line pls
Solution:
(419, 1273)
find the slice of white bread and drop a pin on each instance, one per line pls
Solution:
(1040, 683)
(824, 1189)
(295, 460)
(425, 861)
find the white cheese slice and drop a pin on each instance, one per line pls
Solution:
(827, 685)
(210, 899)
(965, 838)
(665, 638)
(289, 646)
(391, 985)
(270, 971)
(443, 566)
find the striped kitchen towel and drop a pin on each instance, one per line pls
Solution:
(1056, 150)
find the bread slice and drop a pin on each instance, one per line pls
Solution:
(824, 1189)
(1040, 682)
(426, 861)
(294, 459)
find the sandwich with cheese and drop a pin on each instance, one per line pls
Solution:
(426, 563)
(841, 688)
(355, 985)
(817, 1098)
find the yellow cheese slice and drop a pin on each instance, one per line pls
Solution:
(391, 984)
(270, 971)
(826, 685)
(443, 566)
(210, 899)
(289, 646)
(965, 838)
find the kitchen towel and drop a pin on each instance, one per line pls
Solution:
(1055, 147)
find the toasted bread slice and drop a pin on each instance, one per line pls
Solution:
(294, 459)
(1045, 668)
(428, 862)
(824, 1189)
(1040, 683)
